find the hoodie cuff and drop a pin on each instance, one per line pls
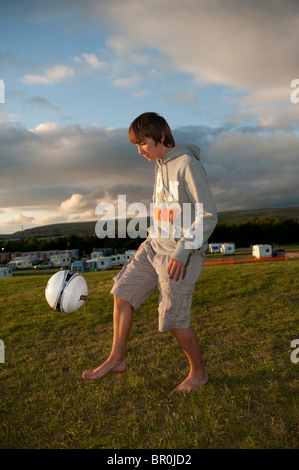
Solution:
(181, 253)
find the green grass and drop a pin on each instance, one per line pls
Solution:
(246, 317)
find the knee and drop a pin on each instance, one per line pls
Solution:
(173, 331)
(119, 301)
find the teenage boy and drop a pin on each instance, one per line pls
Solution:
(169, 259)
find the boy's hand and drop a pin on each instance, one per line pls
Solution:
(175, 269)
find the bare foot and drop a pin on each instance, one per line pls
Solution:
(191, 383)
(108, 367)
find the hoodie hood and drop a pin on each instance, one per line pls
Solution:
(179, 150)
(170, 163)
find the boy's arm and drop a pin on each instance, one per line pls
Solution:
(198, 190)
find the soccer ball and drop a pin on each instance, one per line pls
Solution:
(66, 291)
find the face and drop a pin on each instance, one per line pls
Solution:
(150, 150)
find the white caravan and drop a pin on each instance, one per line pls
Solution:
(61, 261)
(20, 263)
(227, 249)
(96, 254)
(99, 264)
(214, 247)
(118, 260)
(261, 251)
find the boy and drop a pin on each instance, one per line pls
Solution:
(170, 258)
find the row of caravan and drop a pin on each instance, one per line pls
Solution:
(224, 248)
(56, 261)
(100, 263)
(258, 250)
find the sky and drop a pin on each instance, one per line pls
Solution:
(75, 75)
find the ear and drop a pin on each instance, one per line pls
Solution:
(162, 138)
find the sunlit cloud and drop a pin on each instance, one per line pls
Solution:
(52, 75)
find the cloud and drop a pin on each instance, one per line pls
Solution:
(269, 116)
(186, 98)
(55, 173)
(22, 219)
(87, 215)
(249, 44)
(90, 64)
(247, 51)
(74, 204)
(253, 171)
(39, 102)
(91, 60)
(68, 170)
(126, 83)
(5, 117)
(53, 75)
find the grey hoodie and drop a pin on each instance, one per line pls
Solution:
(179, 228)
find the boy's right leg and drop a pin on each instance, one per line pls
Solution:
(132, 286)
(116, 362)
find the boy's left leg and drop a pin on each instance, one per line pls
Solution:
(188, 341)
(174, 315)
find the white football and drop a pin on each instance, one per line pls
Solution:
(66, 291)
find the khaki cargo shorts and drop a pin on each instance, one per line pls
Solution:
(147, 271)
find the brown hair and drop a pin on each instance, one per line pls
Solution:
(150, 125)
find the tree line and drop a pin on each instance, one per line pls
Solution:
(268, 230)
(244, 234)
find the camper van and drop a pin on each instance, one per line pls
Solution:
(33, 256)
(227, 248)
(84, 266)
(61, 261)
(118, 260)
(20, 263)
(261, 251)
(214, 247)
(96, 254)
(5, 272)
(99, 264)
(12, 265)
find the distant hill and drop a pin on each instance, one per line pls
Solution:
(88, 228)
(241, 216)
(55, 230)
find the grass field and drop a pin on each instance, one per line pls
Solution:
(246, 317)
